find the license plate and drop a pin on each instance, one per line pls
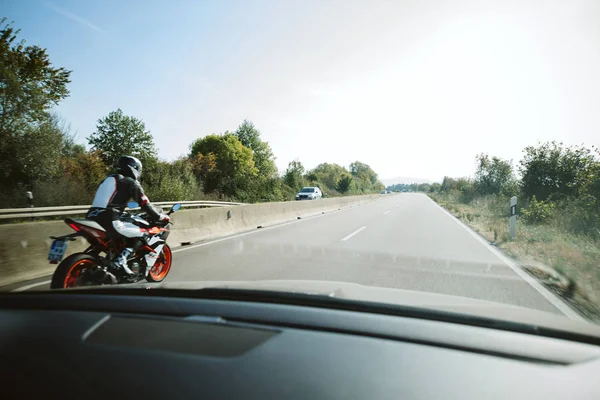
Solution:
(57, 251)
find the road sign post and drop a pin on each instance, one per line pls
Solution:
(513, 217)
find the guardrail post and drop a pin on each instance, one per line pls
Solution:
(513, 217)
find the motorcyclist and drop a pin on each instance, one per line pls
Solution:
(109, 204)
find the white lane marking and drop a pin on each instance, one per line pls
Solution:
(27, 287)
(252, 232)
(352, 234)
(555, 301)
(386, 212)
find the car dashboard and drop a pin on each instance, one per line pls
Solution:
(92, 345)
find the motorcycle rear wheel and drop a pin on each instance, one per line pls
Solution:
(72, 270)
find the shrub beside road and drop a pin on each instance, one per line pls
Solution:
(558, 219)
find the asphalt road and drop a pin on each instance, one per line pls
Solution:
(401, 241)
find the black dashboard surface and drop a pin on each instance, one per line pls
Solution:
(98, 346)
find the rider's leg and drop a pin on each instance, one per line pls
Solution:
(132, 235)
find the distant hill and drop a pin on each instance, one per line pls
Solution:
(404, 180)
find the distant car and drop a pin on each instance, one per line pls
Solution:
(309, 193)
(384, 192)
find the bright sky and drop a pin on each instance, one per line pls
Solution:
(412, 88)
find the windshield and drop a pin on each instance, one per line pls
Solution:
(454, 146)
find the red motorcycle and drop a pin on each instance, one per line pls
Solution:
(150, 261)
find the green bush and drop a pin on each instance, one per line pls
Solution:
(345, 184)
(510, 189)
(171, 181)
(60, 192)
(539, 212)
(435, 187)
(468, 193)
(462, 189)
(556, 170)
(580, 215)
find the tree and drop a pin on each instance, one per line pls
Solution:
(118, 134)
(365, 177)
(84, 168)
(359, 169)
(590, 178)
(401, 187)
(328, 175)
(378, 187)
(202, 164)
(172, 181)
(30, 139)
(33, 155)
(435, 187)
(224, 164)
(29, 84)
(262, 154)
(70, 148)
(463, 189)
(423, 187)
(257, 188)
(493, 175)
(553, 169)
(293, 175)
(345, 184)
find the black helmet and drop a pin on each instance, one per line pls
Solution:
(130, 166)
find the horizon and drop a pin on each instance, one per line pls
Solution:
(412, 89)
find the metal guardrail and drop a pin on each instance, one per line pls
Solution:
(35, 212)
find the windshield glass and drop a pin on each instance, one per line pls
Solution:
(454, 145)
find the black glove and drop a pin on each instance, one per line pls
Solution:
(164, 219)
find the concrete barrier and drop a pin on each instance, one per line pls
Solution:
(24, 247)
(191, 225)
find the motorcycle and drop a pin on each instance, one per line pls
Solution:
(151, 260)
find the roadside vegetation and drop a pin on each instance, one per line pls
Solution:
(558, 219)
(39, 153)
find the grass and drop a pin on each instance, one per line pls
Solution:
(566, 263)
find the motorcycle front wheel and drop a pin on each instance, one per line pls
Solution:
(161, 267)
(74, 271)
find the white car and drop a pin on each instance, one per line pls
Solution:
(309, 193)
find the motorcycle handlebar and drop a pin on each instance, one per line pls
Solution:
(145, 217)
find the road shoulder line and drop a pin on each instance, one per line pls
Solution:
(552, 298)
